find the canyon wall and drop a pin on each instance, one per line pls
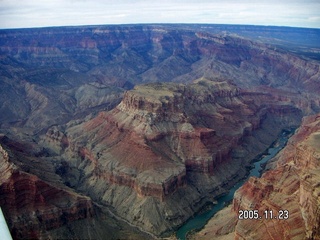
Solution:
(32, 205)
(79, 71)
(290, 186)
(151, 156)
(38, 205)
(165, 141)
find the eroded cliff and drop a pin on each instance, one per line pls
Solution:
(167, 149)
(81, 70)
(165, 141)
(292, 184)
(32, 205)
(37, 205)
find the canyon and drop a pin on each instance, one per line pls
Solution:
(38, 205)
(23, 193)
(133, 129)
(291, 183)
(161, 143)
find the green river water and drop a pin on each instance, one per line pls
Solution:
(198, 222)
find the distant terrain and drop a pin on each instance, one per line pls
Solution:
(131, 130)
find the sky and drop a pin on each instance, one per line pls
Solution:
(43, 13)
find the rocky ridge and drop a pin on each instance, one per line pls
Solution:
(82, 70)
(163, 142)
(37, 205)
(30, 202)
(291, 184)
(167, 140)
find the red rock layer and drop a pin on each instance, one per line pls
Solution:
(293, 186)
(165, 141)
(33, 206)
(159, 132)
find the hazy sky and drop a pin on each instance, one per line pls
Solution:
(38, 13)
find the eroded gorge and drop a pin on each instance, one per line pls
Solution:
(131, 130)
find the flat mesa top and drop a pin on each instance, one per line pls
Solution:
(156, 90)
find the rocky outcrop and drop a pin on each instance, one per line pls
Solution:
(31, 205)
(153, 116)
(165, 140)
(139, 152)
(290, 187)
(82, 70)
(6, 168)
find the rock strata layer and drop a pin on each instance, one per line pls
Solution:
(82, 70)
(37, 205)
(32, 205)
(151, 156)
(164, 141)
(291, 185)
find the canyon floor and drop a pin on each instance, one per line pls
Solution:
(130, 130)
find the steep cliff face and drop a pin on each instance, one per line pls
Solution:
(164, 141)
(291, 188)
(149, 53)
(77, 71)
(139, 152)
(37, 205)
(34, 206)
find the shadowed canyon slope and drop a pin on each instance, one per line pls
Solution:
(143, 125)
(78, 70)
(165, 141)
(292, 184)
(37, 205)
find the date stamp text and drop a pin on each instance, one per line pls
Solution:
(267, 214)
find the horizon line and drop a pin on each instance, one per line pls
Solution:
(136, 24)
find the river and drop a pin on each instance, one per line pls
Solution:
(198, 222)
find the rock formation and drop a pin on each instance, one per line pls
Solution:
(292, 184)
(164, 141)
(30, 202)
(131, 120)
(37, 205)
(78, 71)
